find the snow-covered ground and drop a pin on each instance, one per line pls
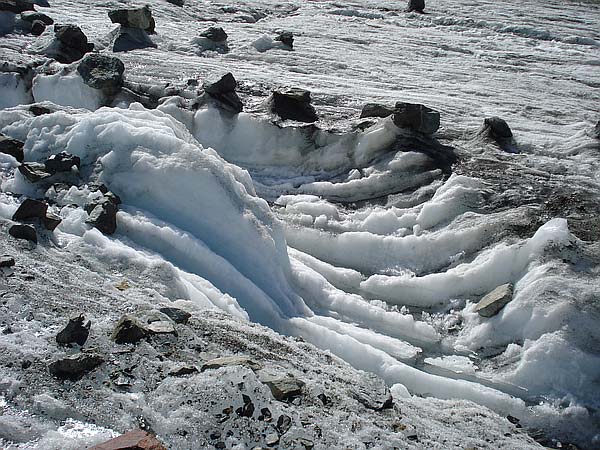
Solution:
(364, 243)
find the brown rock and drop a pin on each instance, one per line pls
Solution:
(132, 440)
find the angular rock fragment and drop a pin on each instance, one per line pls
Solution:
(161, 327)
(416, 5)
(376, 110)
(38, 110)
(134, 18)
(176, 315)
(103, 214)
(223, 90)
(7, 261)
(183, 370)
(215, 34)
(34, 172)
(72, 44)
(284, 388)
(492, 303)
(30, 209)
(293, 104)
(373, 394)
(129, 331)
(286, 38)
(25, 232)
(62, 162)
(416, 117)
(284, 423)
(231, 361)
(74, 367)
(12, 147)
(51, 221)
(125, 39)
(76, 331)
(212, 39)
(133, 440)
(272, 439)
(102, 72)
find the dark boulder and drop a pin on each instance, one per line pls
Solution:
(74, 367)
(31, 209)
(16, 6)
(176, 2)
(38, 110)
(124, 39)
(376, 110)
(215, 34)
(62, 162)
(38, 27)
(103, 213)
(12, 147)
(75, 332)
(286, 38)
(293, 104)
(284, 423)
(102, 72)
(32, 16)
(416, 5)
(134, 18)
(73, 44)
(129, 331)
(223, 91)
(34, 172)
(416, 117)
(25, 232)
(133, 440)
(51, 221)
(175, 314)
(7, 261)
(497, 128)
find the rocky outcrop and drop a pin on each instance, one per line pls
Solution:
(416, 117)
(293, 104)
(102, 72)
(492, 303)
(12, 147)
(75, 332)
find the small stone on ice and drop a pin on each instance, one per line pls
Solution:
(492, 303)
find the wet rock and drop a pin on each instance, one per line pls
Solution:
(215, 34)
(176, 315)
(293, 104)
(102, 72)
(16, 6)
(492, 303)
(73, 44)
(103, 215)
(30, 209)
(26, 232)
(76, 331)
(32, 16)
(284, 423)
(416, 117)
(38, 27)
(74, 367)
(231, 361)
(140, 18)
(124, 39)
(376, 110)
(7, 261)
(34, 172)
(129, 331)
(12, 147)
(373, 395)
(416, 5)
(133, 440)
(62, 162)
(284, 388)
(223, 90)
(286, 38)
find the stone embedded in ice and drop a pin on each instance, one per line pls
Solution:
(492, 303)
(30, 209)
(74, 367)
(26, 232)
(176, 2)
(376, 110)
(497, 128)
(124, 39)
(284, 423)
(32, 16)
(284, 388)
(72, 44)
(231, 361)
(176, 315)
(293, 104)
(75, 332)
(286, 38)
(12, 147)
(38, 27)
(161, 327)
(7, 261)
(62, 162)
(129, 331)
(416, 117)
(16, 6)
(103, 215)
(34, 172)
(215, 34)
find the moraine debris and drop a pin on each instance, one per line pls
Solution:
(75, 332)
(74, 367)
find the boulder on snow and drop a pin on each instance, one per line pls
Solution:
(416, 117)
(286, 38)
(38, 110)
(74, 367)
(223, 91)
(25, 232)
(75, 332)
(215, 34)
(373, 395)
(283, 388)
(32, 16)
(62, 162)
(70, 44)
(102, 72)
(231, 361)
(103, 213)
(415, 5)
(12, 147)
(30, 209)
(133, 440)
(34, 172)
(129, 331)
(376, 110)
(492, 303)
(293, 104)
(16, 6)
(124, 39)
(212, 39)
(497, 128)
(38, 27)
(140, 18)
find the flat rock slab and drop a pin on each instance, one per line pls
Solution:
(133, 440)
(492, 303)
(231, 361)
(284, 388)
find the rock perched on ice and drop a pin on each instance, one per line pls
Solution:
(70, 44)
(133, 440)
(102, 72)
(16, 6)
(124, 39)
(103, 213)
(176, 2)
(34, 172)
(215, 34)
(416, 5)
(30, 209)
(492, 303)
(7, 261)
(32, 16)
(38, 27)
(416, 117)
(376, 110)
(12, 147)
(283, 388)
(176, 315)
(129, 331)
(74, 367)
(286, 38)
(62, 162)
(134, 18)
(38, 110)
(223, 90)
(293, 104)
(212, 39)
(231, 361)
(497, 128)
(25, 232)
(75, 332)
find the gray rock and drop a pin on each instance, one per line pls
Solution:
(7, 261)
(231, 361)
(215, 34)
(129, 331)
(376, 110)
(102, 72)
(134, 18)
(12, 147)
(175, 314)
(373, 394)
(284, 423)
(416, 5)
(103, 215)
(286, 38)
(161, 327)
(34, 172)
(30, 209)
(25, 232)
(125, 39)
(74, 367)
(32, 16)
(416, 117)
(16, 6)
(73, 44)
(293, 104)
(492, 303)
(284, 388)
(76, 331)
(62, 162)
